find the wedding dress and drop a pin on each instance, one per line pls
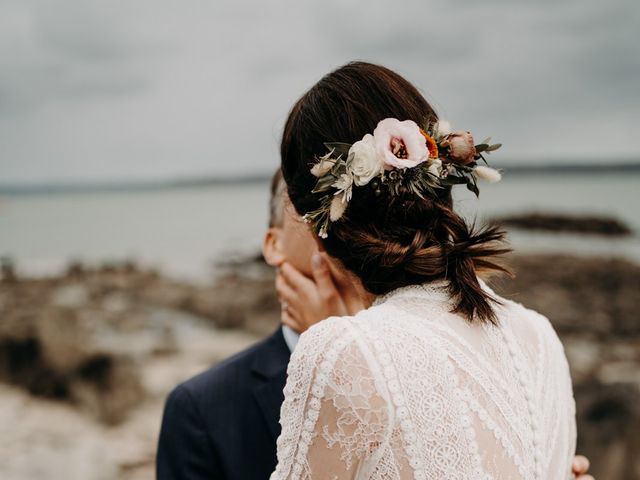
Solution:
(408, 390)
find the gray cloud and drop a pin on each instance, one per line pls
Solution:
(51, 53)
(120, 89)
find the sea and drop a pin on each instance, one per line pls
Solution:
(187, 231)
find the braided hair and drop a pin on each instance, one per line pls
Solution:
(387, 241)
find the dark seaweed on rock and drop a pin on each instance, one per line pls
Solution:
(553, 222)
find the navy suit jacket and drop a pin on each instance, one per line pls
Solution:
(223, 423)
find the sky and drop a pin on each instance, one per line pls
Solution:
(110, 90)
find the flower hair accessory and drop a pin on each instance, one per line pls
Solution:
(398, 154)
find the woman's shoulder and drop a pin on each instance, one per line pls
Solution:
(340, 334)
(332, 333)
(530, 324)
(326, 329)
(332, 326)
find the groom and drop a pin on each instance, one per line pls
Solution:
(223, 423)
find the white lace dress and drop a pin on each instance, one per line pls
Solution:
(407, 390)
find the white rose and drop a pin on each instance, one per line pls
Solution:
(365, 163)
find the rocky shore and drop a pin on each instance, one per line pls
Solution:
(559, 223)
(87, 357)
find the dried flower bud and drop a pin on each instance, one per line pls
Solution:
(461, 148)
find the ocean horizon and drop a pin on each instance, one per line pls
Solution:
(561, 167)
(185, 230)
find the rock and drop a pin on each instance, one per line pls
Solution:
(584, 357)
(7, 270)
(73, 295)
(65, 337)
(117, 303)
(608, 425)
(579, 294)
(21, 363)
(107, 387)
(553, 222)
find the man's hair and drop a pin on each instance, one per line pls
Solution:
(276, 201)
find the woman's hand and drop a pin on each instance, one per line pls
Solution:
(580, 467)
(305, 301)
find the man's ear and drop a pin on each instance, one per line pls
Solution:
(271, 250)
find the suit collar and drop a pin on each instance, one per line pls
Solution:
(270, 370)
(273, 359)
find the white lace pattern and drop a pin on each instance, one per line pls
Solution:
(408, 390)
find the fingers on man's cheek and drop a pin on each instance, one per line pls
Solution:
(279, 288)
(288, 320)
(285, 292)
(294, 278)
(287, 273)
(293, 313)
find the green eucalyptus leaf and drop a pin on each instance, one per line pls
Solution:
(324, 184)
(339, 148)
(463, 168)
(474, 188)
(339, 168)
(454, 180)
(494, 147)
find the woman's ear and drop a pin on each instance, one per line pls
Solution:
(271, 249)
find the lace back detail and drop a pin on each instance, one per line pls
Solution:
(408, 390)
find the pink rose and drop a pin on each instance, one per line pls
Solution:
(400, 144)
(461, 147)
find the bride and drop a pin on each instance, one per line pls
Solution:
(440, 378)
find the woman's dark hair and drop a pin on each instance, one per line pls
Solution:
(387, 241)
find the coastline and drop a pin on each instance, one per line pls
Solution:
(94, 351)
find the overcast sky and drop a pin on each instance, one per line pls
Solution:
(139, 89)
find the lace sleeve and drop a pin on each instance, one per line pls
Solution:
(335, 420)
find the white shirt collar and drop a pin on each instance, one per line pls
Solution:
(290, 337)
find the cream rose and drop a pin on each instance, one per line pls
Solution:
(365, 163)
(400, 144)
